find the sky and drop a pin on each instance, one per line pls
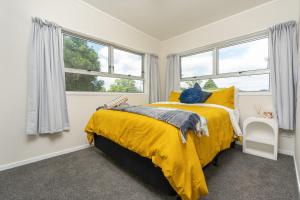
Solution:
(124, 63)
(197, 65)
(243, 57)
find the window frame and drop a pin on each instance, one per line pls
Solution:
(110, 72)
(215, 48)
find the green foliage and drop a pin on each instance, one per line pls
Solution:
(78, 55)
(82, 82)
(191, 83)
(123, 85)
(210, 85)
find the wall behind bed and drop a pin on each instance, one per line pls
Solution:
(15, 21)
(244, 23)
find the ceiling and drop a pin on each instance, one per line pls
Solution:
(164, 19)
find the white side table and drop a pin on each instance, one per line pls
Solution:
(261, 137)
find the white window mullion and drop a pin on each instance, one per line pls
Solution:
(215, 61)
(228, 75)
(111, 59)
(102, 74)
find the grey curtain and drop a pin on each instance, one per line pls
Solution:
(46, 104)
(172, 74)
(283, 61)
(154, 80)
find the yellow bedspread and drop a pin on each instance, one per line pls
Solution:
(181, 163)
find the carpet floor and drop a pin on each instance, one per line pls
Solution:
(90, 175)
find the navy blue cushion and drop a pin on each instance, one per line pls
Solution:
(205, 96)
(194, 95)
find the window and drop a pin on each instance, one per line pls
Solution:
(244, 57)
(197, 65)
(127, 63)
(242, 63)
(95, 67)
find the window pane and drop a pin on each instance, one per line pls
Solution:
(257, 83)
(83, 82)
(83, 54)
(197, 65)
(127, 63)
(244, 57)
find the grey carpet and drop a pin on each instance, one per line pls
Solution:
(89, 174)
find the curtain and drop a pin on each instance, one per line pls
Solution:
(46, 104)
(283, 55)
(172, 74)
(154, 80)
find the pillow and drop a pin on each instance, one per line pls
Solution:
(223, 97)
(205, 96)
(236, 98)
(194, 95)
(174, 96)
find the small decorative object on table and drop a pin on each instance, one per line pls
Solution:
(261, 113)
(258, 109)
(261, 137)
(268, 115)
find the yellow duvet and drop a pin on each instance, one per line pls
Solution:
(181, 163)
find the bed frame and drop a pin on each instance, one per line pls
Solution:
(138, 165)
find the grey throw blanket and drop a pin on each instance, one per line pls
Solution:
(183, 120)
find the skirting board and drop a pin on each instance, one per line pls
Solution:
(42, 157)
(286, 152)
(65, 151)
(297, 174)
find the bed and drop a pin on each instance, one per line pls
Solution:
(145, 144)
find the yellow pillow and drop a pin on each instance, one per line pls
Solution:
(174, 96)
(223, 97)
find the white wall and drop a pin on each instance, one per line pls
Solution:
(15, 22)
(247, 22)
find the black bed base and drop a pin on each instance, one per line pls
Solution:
(138, 165)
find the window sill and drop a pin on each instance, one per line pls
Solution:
(269, 93)
(103, 93)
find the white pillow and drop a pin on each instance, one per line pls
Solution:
(236, 104)
(236, 98)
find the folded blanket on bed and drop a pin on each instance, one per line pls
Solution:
(183, 120)
(116, 102)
